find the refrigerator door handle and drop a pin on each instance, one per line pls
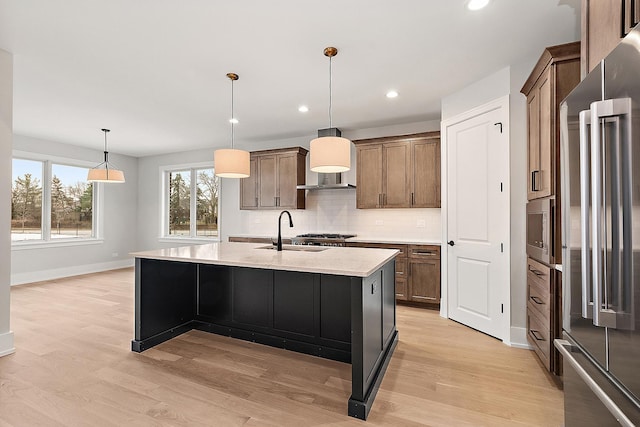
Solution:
(587, 302)
(603, 315)
(564, 347)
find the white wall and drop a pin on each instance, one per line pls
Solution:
(327, 210)
(6, 121)
(119, 221)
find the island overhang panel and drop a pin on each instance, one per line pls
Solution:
(338, 303)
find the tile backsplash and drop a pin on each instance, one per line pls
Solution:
(334, 211)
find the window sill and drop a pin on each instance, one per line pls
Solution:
(187, 239)
(25, 245)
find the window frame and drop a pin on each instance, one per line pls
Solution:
(164, 203)
(46, 241)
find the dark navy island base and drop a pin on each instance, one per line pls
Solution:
(343, 318)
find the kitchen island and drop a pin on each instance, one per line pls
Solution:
(336, 303)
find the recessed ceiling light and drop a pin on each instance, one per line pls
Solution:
(477, 4)
(303, 108)
(392, 94)
(233, 120)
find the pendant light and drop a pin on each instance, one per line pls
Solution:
(105, 172)
(229, 162)
(330, 154)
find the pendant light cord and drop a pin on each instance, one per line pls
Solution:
(106, 153)
(330, 119)
(232, 117)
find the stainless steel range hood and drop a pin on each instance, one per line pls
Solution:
(328, 181)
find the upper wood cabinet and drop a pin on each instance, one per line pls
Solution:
(604, 23)
(554, 76)
(398, 172)
(274, 177)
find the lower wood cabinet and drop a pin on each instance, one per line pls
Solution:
(417, 271)
(544, 312)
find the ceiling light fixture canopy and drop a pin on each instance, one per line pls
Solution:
(330, 154)
(229, 162)
(105, 172)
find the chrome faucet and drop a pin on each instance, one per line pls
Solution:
(279, 244)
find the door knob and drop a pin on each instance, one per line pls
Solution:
(450, 243)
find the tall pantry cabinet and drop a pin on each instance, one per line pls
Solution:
(556, 73)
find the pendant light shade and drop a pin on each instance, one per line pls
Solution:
(105, 172)
(230, 162)
(329, 154)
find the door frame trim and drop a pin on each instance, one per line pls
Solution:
(501, 103)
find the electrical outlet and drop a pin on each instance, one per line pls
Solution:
(421, 223)
(379, 222)
(114, 254)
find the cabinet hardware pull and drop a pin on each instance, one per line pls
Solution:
(537, 300)
(536, 272)
(430, 253)
(413, 202)
(536, 335)
(534, 181)
(256, 201)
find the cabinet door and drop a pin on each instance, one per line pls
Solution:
(533, 141)
(546, 132)
(602, 28)
(287, 168)
(424, 281)
(425, 169)
(369, 176)
(267, 181)
(396, 173)
(249, 187)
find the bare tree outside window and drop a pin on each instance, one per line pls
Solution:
(207, 190)
(192, 195)
(71, 202)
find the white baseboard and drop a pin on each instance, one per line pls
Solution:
(6, 344)
(57, 273)
(519, 338)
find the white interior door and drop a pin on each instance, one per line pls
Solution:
(477, 224)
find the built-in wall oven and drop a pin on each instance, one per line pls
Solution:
(540, 228)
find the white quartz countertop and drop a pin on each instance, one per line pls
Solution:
(342, 261)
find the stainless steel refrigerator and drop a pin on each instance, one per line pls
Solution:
(600, 194)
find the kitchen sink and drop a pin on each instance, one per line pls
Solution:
(298, 248)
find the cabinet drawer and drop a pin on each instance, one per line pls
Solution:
(538, 273)
(539, 298)
(538, 334)
(424, 251)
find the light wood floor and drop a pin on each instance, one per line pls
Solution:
(73, 366)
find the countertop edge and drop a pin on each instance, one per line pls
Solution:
(329, 269)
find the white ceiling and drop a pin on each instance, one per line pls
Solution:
(153, 71)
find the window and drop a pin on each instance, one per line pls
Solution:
(50, 201)
(191, 202)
